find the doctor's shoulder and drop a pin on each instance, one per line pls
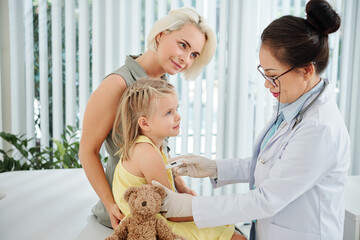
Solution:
(324, 126)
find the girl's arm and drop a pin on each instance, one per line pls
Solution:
(98, 121)
(180, 184)
(152, 166)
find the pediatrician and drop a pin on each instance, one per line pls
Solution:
(300, 161)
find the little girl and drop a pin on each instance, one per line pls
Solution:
(146, 116)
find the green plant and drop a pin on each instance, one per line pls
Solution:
(67, 150)
(66, 154)
(24, 158)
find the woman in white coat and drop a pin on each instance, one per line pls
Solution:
(300, 161)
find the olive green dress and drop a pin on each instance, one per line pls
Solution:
(130, 71)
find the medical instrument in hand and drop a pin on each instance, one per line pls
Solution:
(173, 164)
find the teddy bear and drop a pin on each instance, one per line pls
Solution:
(143, 224)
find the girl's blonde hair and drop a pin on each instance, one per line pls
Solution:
(174, 21)
(138, 100)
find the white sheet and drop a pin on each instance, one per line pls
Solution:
(48, 204)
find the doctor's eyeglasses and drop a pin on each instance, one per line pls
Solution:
(272, 80)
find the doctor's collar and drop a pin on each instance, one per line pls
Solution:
(291, 110)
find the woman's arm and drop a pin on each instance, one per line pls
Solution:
(152, 166)
(98, 121)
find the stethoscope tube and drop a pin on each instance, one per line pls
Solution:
(298, 120)
(299, 116)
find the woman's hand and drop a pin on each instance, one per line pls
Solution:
(115, 215)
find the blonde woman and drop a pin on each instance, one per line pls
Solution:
(147, 115)
(183, 42)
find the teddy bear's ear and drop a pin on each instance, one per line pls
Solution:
(128, 193)
(160, 191)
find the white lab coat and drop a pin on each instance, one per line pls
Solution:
(299, 190)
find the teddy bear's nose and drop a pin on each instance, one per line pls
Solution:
(143, 203)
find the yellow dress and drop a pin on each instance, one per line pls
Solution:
(123, 180)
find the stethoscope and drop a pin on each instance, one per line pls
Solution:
(298, 119)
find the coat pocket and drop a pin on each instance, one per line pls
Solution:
(281, 233)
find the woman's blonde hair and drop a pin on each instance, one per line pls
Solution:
(138, 100)
(174, 21)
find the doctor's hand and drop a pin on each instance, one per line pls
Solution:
(175, 204)
(195, 166)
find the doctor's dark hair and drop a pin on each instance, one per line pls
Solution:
(297, 42)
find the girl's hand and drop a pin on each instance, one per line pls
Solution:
(115, 215)
(181, 186)
(185, 189)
